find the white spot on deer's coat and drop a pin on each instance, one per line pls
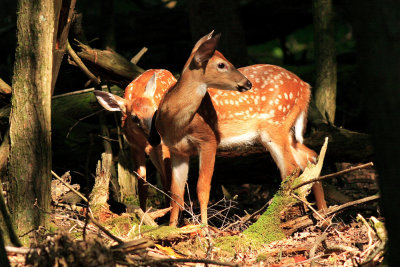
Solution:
(264, 116)
(272, 112)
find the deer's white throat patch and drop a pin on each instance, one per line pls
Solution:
(201, 89)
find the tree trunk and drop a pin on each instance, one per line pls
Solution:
(126, 178)
(377, 32)
(100, 192)
(223, 17)
(64, 10)
(325, 57)
(30, 118)
(108, 24)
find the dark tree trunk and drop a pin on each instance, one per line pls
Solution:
(63, 11)
(377, 32)
(325, 57)
(223, 17)
(3, 254)
(30, 118)
(108, 24)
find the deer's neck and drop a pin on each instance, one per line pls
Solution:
(177, 109)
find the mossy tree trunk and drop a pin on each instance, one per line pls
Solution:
(325, 57)
(30, 119)
(377, 31)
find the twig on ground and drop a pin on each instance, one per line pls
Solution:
(69, 187)
(155, 262)
(141, 220)
(374, 256)
(316, 244)
(311, 208)
(108, 233)
(19, 250)
(308, 260)
(246, 218)
(363, 166)
(159, 213)
(369, 228)
(339, 247)
(304, 221)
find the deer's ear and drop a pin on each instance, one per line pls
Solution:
(111, 102)
(151, 86)
(206, 50)
(154, 137)
(202, 40)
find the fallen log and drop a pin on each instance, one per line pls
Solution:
(109, 65)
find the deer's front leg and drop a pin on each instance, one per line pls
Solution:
(139, 159)
(180, 168)
(206, 169)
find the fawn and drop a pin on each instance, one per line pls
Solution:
(135, 131)
(273, 113)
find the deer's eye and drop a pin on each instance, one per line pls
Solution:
(221, 65)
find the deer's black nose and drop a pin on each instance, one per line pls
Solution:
(248, 85)
(245, 87)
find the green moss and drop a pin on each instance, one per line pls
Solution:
(77, 235)
(196, 247)
(121, 225)
(52, 227)
(261, 257)
(160, 232)
(267, 228)
(229, 244)
(132, 200)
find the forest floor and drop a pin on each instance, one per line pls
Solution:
(123, 240)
